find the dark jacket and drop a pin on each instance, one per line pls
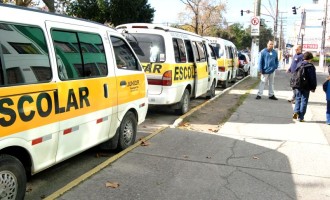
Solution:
(295, 61)
(311, 75)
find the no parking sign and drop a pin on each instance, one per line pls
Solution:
(255, 26)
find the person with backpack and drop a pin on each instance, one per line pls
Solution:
(326, 89)
(297, 58)
(304, 81)
(268, 63)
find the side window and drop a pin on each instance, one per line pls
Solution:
(212, 52)
(125, 58)
(24, 55)
(79, 55)
(201, 52)
(195, 50)
(189, 50)
(179, 51)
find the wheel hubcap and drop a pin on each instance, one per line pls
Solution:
(128, 132)
(8, 185)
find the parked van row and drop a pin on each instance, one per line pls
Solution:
(67, 85)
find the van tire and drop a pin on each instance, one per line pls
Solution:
(211, 92)
(184, 103)
(12, 178)
(127, 131)
(225, 83)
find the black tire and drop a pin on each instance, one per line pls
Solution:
(211, 92)
(12, 178)
(247, 72)
(127, 131)
(225, 83)
(184, 103)
(240, 73)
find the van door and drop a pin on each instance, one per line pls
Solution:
(201, 69)
(131, 82)
(84, 102)
(212, 63)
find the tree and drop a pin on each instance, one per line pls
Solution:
(95, 10)
(202, 15)
(50, 5)
(130, 11)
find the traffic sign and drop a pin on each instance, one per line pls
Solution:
(255, 26)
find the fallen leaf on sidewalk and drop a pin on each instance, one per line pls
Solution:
(208, 157)
(112, 184)
(185, 156)
(186, 124)
(255, 157)
(145, 143)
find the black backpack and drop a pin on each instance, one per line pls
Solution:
(299, 79)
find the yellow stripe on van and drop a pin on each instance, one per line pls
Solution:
(30, 106)
(180, 71)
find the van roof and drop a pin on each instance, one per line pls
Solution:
(19, 11)
(154, 26)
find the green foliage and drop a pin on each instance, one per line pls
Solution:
(317, 59)
(112, 11)
(130, 11)
(236, 33)
(95, 10)
(266, 34)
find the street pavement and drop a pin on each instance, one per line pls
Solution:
(259, 153)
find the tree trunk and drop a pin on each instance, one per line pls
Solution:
(24, 3)
(50, 4)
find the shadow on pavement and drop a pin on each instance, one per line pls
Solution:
(180, 164)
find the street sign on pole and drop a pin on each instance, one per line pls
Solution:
(255, 26)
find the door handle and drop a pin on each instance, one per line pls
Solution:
(105, 90)
(123, 83)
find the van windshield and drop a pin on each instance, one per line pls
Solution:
(148, 47)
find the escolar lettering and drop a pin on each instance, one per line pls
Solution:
(181, 73)
(21, 110)
(152, 68)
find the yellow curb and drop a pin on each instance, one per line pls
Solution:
(98, 168)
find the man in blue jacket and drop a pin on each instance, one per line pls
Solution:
(268, 63)
(297, 58)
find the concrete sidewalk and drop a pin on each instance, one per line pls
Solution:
(260, 153)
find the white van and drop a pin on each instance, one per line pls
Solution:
(66, 85)
(179, 64)
(227, 60)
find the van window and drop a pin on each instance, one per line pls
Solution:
(212, 52)
(23, 55)
(199, 51)
(179, 51)
(125, 58)
(189, 50)
(79, 55)
(148, 47)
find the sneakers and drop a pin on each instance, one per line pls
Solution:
(295, 116)
(258, 97)
(291, 101)
(301, 120)
(273, 98)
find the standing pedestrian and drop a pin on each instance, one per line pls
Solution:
(297, 58)
(302, 92)
(326, 88)
(268, 63)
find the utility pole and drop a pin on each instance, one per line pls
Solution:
(275, 24)
(321, 60)
(255, 43)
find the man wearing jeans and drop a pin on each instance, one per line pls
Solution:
(268, 63)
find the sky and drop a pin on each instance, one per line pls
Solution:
(167, 11)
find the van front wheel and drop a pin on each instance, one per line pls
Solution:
(127, 131)
(184, 103)
(12, 178)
